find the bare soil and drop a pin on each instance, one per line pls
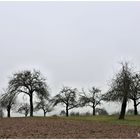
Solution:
(62, 128)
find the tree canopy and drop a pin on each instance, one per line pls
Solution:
(44, 103)
(68, 98)
(30, 83)
(8, 100)
(121, 88)
(92, 98)
(24, 109)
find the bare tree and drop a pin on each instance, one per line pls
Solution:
(74, 113)
(135, 92)
(29, 83)
(101, 111)
(130, 112)
(92, 99)
(121, 88)
(44, 104)
(24, 109)
(68, 98)
(62, 113)
(8, 101)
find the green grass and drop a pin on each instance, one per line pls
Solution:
(129, 120)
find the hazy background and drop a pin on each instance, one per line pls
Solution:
(77, 44)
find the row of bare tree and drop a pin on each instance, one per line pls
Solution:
(124, 86)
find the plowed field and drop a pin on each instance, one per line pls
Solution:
(63, 128)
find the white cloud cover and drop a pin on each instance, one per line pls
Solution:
(79, 44)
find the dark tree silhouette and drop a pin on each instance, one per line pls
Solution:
(44, 104)
(86, 114)
(8, 101)
(68, 98)
(62, 113)
(135, 92)
(92, 99)
(130, 112)
(1, 112)
(74, 113)
(101, 111)
(29, 83)
(121, 88)
(24, 109)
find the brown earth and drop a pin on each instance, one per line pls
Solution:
(62, 128)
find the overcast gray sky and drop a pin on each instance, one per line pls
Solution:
(78, 44)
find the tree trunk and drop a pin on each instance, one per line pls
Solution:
(8, 112)
(135, 108)
(44, 114)
(67, 111)
(31, 105)
(93, 110)
(26, 113)
(123, 108)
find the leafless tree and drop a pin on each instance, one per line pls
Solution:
(92, 99)
(121, 88)
(101, 111)
(8, 101)
(62, 113)
(74, 113)
(24, 109)
(135, 91)
(29, 83)
(130, 112)
(45, 104)
(68, 98)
